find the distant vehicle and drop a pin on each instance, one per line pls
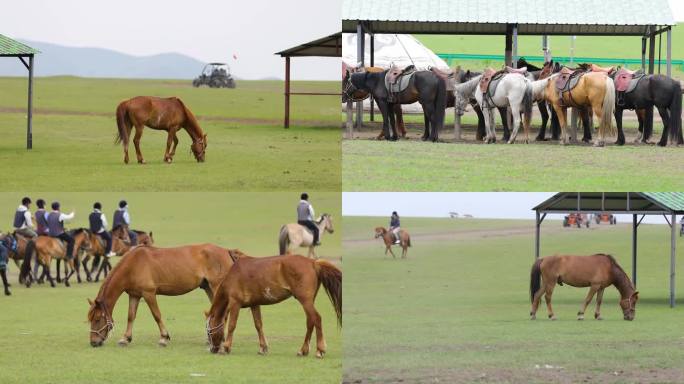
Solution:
(453, 215)
(605, 218)
(576, 219)
(215, 75)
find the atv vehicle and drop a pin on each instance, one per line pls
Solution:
(215, 75)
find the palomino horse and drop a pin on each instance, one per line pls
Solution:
(169, 115)
(514, 91)
(121, 244)
(425, 87)
(146, 272)
(594, 90)
(47, 248)
(254, 281)
(388, 238)
(294, 235)
(596, 272)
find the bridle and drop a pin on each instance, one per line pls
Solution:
(199, 154)
(212, 330)
(350, 89)
(107, 328)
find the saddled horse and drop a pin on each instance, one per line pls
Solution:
(167, 114)
(545, 110)
(424, 87)
(255, 281)
(121, 244)
(660, 91)
(16, 245)
(295, 235)
(388, 238)
(596, 272)
(146, 272)
(47, 248)
(514, 91)
(4, 259)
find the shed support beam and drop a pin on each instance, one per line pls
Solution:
(669, 52)
(372, 63)
(286, 123)
(350, 119)
(514, 59)
(651, 51)
(635, 226)
(545, 48)
(673, 242)
(360, 53)
(29, 127)
(508, 51)
(643, 53)
(537, 233)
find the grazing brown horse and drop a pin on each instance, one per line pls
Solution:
(121, 244)
(388, 238)
(47, 248)
(167, 114)
(145, 272)
(596, 272)
(255, 281)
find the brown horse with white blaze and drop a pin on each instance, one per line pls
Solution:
(596, 272)
(146, 272)
(167, 114)
(255, 281)
(388, 238)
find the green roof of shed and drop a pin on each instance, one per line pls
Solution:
(12, 47)
(672, 200)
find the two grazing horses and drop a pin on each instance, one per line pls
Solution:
(146, 272)
(596, 272)
(167, 114)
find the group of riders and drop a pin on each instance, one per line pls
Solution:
(51, 223)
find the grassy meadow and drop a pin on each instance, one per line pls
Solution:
(457, 309)
(248, 149)
(45, 334)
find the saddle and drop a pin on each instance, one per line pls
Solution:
(489, 81)
(397, 79)
(596, 68)
(626, 80)
(567, 80)
(447, 76)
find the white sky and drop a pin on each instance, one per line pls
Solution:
(209, 30)
(496, 205)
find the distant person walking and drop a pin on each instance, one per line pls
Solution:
(306, 217)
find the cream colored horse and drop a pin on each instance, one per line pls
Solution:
(294, 235)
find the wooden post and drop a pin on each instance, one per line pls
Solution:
(372, 63)
(634, 249)
(350, 120)
(29, 128)
(508, 51)
(537, 229)
(643, 53)
(287, 92)
(669, 52)
(514, 59)
(457, 126)
(651, 50)
(360, 53)
(673, 242)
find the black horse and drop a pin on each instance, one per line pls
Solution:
(543, 106)
(654, 90)
(424, 87)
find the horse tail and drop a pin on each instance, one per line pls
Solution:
(606, 126)
(122, 123)
(675, 124)
(283, 240)
(331, 278)
(535, 278)
(440, 102)
(528, 101)
(26, 265)
(408, 240)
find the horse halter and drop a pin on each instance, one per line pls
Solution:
(212, 330)
(108, 327)
(350, 89)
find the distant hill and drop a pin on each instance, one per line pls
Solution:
(57, 60)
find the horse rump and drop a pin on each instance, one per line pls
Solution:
(283, 240)
(331, 278)
(535, 279)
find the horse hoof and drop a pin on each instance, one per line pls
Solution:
(552, 317)
(302, 353)
(319, 354)
(533, 317)
(123, 342)
(8, 293)
(163, 342)
(263, 351)
(580, 318)
(598, 317)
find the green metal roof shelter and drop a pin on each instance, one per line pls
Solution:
(645, 18)
(12, 48)
(668, 204)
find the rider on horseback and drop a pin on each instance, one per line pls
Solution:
(56, 227)
(305, 217)
(22, 219)
(41, 218)
(395, 226)
(121, 217)
(98, 226)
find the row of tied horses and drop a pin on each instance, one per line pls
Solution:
(518, 89)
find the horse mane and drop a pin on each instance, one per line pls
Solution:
(618, 273)
(320, 219)
(191, 119)
(530, 67)
(139, 232)
(468, 87)
(78, 231)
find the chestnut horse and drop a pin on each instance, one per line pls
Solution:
(596, 272)
(47, 248)
(146, 272)
(388, 238)
(167, 114)
(121, 244)
(295, 235)
(255, 281)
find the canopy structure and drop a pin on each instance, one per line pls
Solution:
(13, 48)
(328, 46)
(668, 204)
(645, 18)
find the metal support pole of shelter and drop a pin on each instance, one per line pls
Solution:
(635, 226)
(673, 242)
(545, 48)
(372, 63)
(286, 123)
(508, 51)
(360, 53)
(669, 52)
(514, 58)
(643, 53)
(29, 128)
(651, 50)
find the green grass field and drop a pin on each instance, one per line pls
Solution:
(45, 334)
(248, 150)
(457, 310)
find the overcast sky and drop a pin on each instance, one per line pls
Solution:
(495, 205)
(209, 30)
